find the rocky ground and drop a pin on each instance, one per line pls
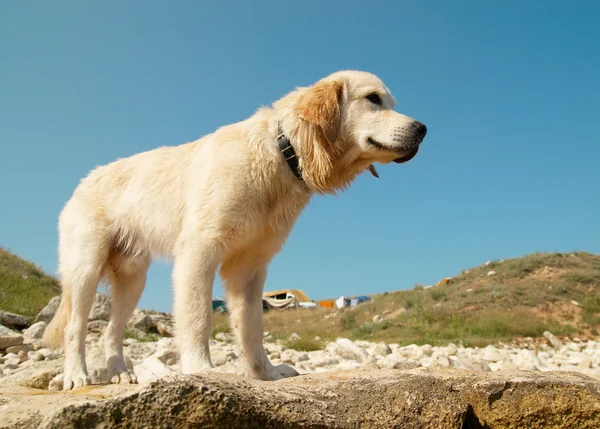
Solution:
(547, 382)
(25, 361)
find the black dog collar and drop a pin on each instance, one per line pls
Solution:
(286, 148)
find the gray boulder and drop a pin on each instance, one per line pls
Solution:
(49, 310)
(13, 320)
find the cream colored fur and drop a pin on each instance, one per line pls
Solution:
(225, 202)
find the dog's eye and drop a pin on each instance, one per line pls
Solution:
(374, 98)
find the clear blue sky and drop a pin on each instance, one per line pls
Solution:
(510, 92)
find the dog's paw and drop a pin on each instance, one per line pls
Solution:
(125, 377)
(76, 380)
(118, 373)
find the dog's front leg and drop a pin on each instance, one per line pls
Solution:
(193, 276)
(244, 287)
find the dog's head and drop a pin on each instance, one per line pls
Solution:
(343, 124)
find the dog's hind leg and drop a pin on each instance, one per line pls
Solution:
(128, 278)
(244, 284)
(82, 253)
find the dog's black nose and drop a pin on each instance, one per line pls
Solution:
(421, 129)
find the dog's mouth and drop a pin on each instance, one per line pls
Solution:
(408, 153)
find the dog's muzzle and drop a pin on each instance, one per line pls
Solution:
(419, 130)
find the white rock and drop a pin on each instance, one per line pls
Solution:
(35, 331)
(492, 357)
(165, 342)
(151, 369)
(6, 332)
(377, 318)
(554, 341)
(451, 349)
(348, 350)
(427, 349)
(218, 358)
(427, 362)
(383, 349)
(45, 352)
(443, 361)
(371, 363)
(294, 337)
(491, 273)
(12, 363)
(418, 353)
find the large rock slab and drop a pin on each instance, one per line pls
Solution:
(419, 398)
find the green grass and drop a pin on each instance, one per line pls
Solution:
(304, 344)
(146, 338)
(24, 288)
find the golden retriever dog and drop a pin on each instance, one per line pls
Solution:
(225, 202)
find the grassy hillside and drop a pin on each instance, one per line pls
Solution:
(24, 288)
(523, 297)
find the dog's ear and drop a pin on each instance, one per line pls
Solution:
(320, 106)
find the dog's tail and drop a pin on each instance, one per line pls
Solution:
(54, 333)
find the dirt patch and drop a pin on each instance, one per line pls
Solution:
(563, 312)
(547, 273)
